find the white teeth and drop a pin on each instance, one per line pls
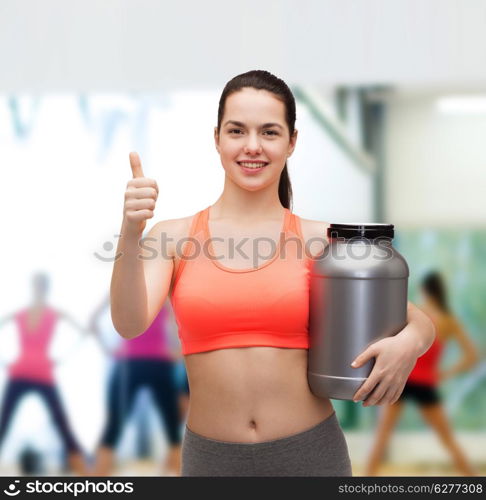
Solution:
(253, 165)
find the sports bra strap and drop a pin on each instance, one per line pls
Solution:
(292, 224)
(296, 226)
(196, 226)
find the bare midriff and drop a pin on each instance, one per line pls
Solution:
(252, 394)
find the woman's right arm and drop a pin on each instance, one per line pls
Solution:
(142, 271)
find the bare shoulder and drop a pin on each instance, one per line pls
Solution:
(169, 231)
(177, 227)
(315, 235)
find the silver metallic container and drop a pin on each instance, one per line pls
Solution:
(358, 295)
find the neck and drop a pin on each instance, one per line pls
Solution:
(432, 303)
(37, 304)
(241, 204)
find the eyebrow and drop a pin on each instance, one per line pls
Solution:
(240, 124)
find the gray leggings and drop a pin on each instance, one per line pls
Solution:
(318, 451)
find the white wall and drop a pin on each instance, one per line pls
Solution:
(112, 45)
(326, 185)
(436, 165)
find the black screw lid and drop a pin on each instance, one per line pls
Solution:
(358, 230)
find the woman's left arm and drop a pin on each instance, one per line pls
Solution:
(395, 358)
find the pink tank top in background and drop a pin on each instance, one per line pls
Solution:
(33, 362)
(153, 343)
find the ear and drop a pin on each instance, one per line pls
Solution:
(216, 139)
(292, 143)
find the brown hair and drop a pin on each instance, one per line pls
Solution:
(261, 79)
(433, 284)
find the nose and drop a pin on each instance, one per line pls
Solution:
(253, 145)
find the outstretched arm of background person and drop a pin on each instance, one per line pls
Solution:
(3, 321)
(93, 320)
(69, 319)
(93, 323)
(470, 353)
(77, 326)
(395, 358)
(6, 319)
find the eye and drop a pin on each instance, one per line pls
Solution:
(272, 132)
(234, 130)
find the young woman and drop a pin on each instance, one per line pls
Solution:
(32, 371)
(243, 321)
(421, 386)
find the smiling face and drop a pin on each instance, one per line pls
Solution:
(254, 129)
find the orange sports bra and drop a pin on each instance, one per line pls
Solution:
(217, 307)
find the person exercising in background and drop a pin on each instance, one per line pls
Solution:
(148, 360)
(423, 380)
(32, 371)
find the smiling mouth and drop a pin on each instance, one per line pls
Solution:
(252, 165)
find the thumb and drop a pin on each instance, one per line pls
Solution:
(366, 355)
(136, 165)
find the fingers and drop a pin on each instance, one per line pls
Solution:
(140, 197)
(387, 379)
(136, 165)
(381, 395)
(365, 356)
(397, 394)
(368, 385)
(141, 182)
(140, 193)
(375, 395)
(137, 216)
(384, 392)
(391, 396)
(140, 204)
